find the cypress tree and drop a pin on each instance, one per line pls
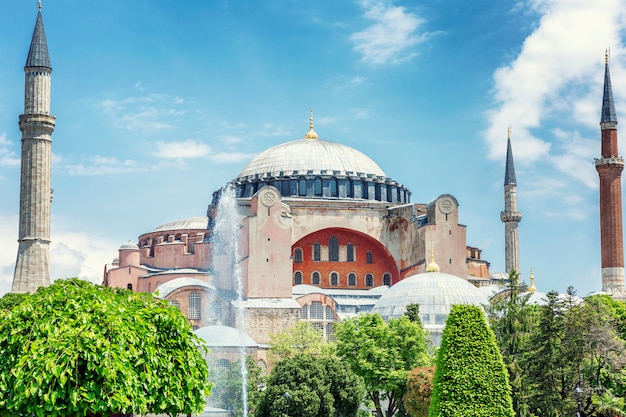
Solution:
(471, 379)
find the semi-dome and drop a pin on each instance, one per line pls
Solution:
(310, 156)
(435, 293)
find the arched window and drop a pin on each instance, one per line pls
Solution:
(262, 366)
(222, 365)
(333, 188)
(304, 312)
(333, 249)
(352, 279)
(302, 187)
(387, 279)
(175, 303)
(350, 252)
(316, 251)
(369, 280)
(334, 278)
(297, 278)
(330, 315)
(317, 187)
(315, 278)
(368, 257)
(317, 311)
(297, 255)
(129, 286)
(194, 306)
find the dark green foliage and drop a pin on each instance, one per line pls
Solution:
(318, 386)
(382, 353)
(413, 313)
(227, 393)
(76, 349)
(10, 300)
(471, 379)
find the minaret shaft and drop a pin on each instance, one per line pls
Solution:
(32, 267)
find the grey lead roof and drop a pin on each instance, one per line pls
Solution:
(38, 52)
(509, 173)
(608, 107)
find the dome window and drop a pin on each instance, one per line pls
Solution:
(317, 252)
(350, 252)
(297, 255)
(334, 279)
(369, 280)
(333, 249)
(317, 187)
(352, 279)
(387, 279)
(297, 278)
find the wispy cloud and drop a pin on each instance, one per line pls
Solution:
(555, 80)
(392, 35)
(8, 156)
(145, 114)
(193, 149)
(102, 165)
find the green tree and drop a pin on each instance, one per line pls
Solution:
(419, 391)
(471, 379)
(317, 386)
(513, 321)
(226, 392)
(10, 300)
(301, 338)
(77, 349)
(413, 313)
(382, 353)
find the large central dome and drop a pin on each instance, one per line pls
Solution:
(310, 156)
(314, 168)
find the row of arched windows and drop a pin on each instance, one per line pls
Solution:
(194, 311)
(333, 252)
(334, 279)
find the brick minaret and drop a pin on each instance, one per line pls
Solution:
(32, 267)
(511, 216)
(609, 168)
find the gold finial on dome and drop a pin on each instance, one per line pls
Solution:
(606, 56)
(532, 287)
(311, 133)
(432, 265)
(508, 133)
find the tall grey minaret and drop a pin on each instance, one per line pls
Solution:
(511, 216)
(32, 268)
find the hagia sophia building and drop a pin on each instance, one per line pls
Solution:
(309, 230)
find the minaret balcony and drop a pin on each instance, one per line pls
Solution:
(511, 216)
(613, 160)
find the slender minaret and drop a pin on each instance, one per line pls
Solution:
(510, 216)
(609, 168)
(32, 268)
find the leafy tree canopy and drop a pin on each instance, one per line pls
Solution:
(419, 389)
(226, 392)
(382, 353)
(317, 386)
(77, 349)
(299, 339)
(10, 300)
(471, 379)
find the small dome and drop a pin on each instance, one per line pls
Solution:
(129, 246)
(224, 336)
(310, 156)
(435, 293)
(199, 222)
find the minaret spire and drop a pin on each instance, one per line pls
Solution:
(32, 267)
(609, 168)
(511, 216)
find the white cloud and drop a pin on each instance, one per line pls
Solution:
(185, 149)
(555, 79)
(8, 156)
(145, 114)
(102, 165)
(72, 254)
(391, 36)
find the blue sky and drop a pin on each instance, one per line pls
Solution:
(160, 103)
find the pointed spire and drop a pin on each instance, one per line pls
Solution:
(38, 52)
(311, 133)
(432, 265)
(608, 107)
(532, 287)
(509, 173)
